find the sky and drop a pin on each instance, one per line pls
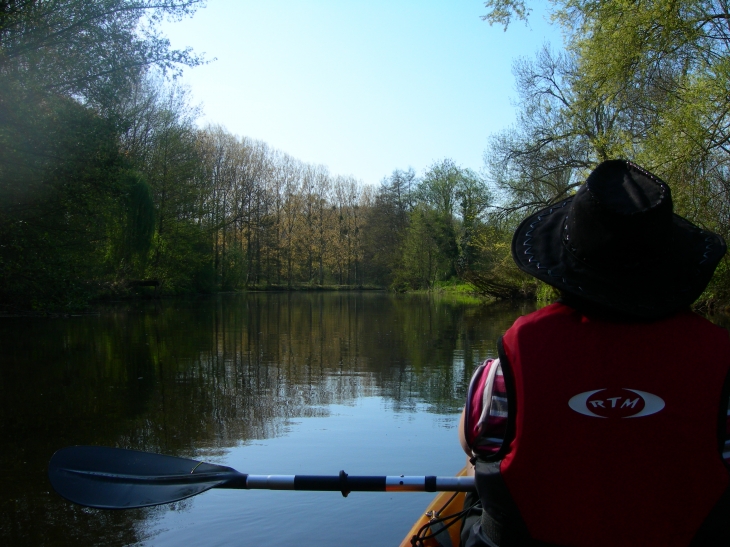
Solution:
(362, 87)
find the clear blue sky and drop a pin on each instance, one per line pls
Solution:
(363, 87)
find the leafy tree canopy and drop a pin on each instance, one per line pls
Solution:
(91, 50)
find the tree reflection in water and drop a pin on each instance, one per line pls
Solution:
(196, 377)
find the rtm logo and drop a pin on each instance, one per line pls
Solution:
(616, 403)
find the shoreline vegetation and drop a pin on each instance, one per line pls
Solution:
(109, 189)
(454, 292)
(457, 293)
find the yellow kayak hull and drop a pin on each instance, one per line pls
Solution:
(444, 504)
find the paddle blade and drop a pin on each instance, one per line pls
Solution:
(115, 478)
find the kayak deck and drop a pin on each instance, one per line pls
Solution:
(444, 504)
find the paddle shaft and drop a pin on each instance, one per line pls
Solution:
(345, 483)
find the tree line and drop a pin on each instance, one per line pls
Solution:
(108, 187)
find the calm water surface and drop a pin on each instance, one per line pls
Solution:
(282, 383)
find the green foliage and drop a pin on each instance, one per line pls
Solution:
(439, 186)
(137, 225)
(502, 11)
(182, 260)
(421, 263)
(451, 205)
(77, 211)
(93, 50)
(59, 193)
(546, 294)
(647, 81)
(386, 225)
(494, 273)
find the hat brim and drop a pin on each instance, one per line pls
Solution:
(656, 290)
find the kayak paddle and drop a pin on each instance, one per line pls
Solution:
(116, 478)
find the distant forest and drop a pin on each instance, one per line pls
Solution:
(108, 188)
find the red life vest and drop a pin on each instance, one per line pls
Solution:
(616, 427)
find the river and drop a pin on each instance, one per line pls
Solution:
(267, 383)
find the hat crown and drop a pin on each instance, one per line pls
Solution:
(625, 189)
(620, 218)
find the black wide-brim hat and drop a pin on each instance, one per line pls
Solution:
(617, 243)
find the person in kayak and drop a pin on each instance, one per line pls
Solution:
(604, 419)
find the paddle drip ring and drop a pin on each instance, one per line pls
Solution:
(343, 484)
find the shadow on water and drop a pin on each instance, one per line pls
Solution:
(195, 377)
